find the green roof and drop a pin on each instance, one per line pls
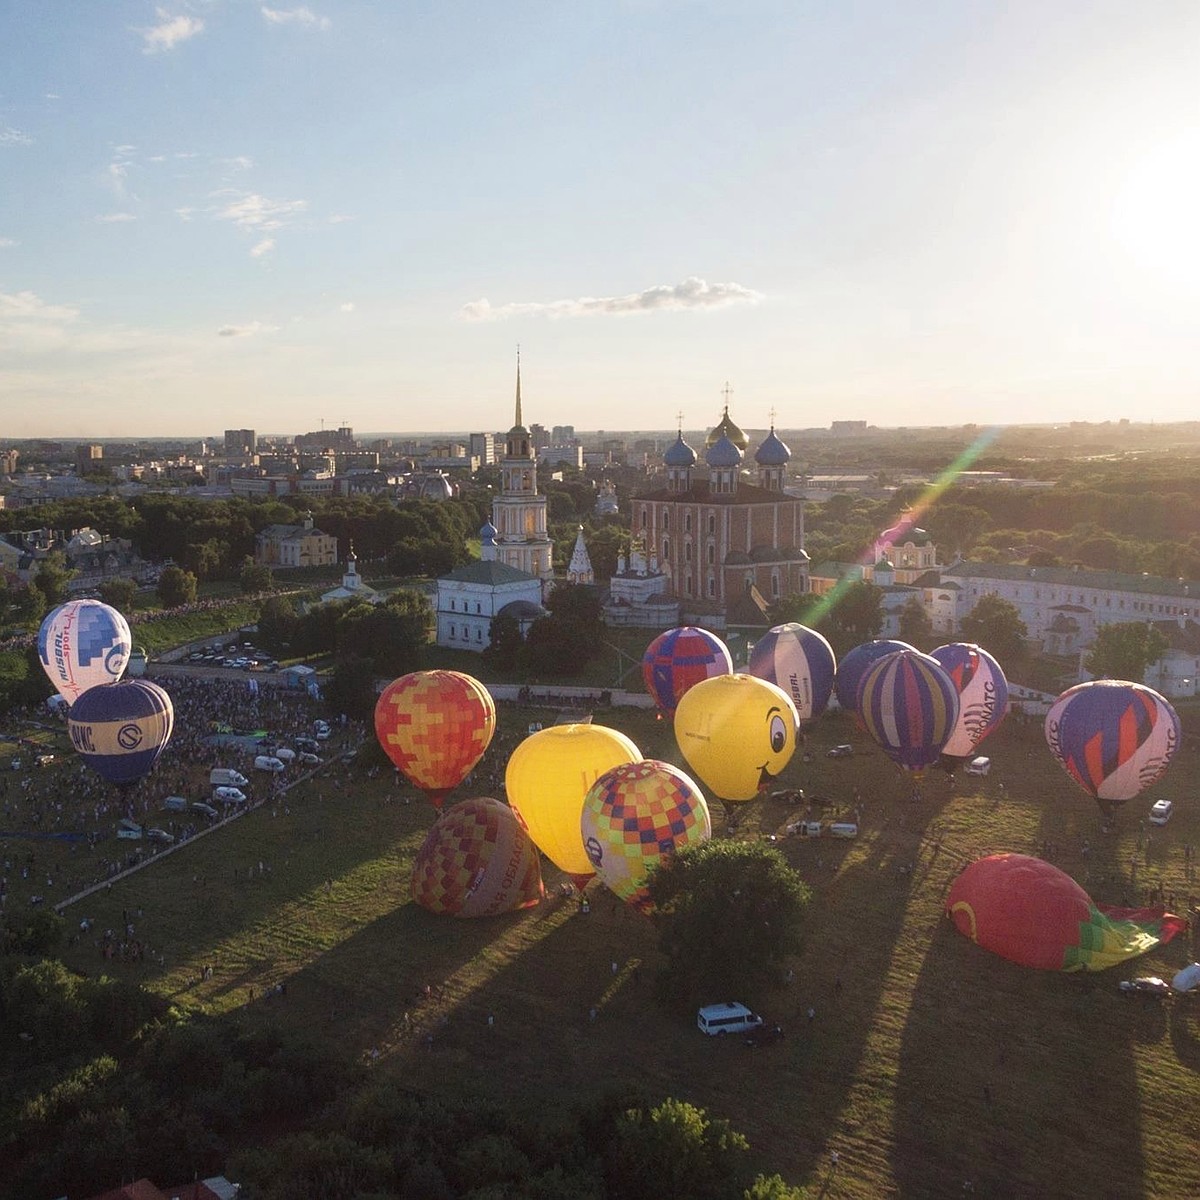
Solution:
(1108, 581)
(493, 573)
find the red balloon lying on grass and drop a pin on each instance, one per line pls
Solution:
(1028, 911)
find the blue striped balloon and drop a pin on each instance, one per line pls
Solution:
(854, 666)
(800, 661)
(909, 705)
(120, 729)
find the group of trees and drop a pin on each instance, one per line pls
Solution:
(107, 1081)
(558, 644)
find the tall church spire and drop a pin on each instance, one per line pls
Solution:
(518, 424)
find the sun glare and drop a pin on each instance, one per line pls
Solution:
(1156, 212)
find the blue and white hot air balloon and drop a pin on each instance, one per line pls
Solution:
(82, 644)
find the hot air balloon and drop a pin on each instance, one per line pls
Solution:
(435, 726)
(1030, 912)
(1114, 739)
(982, 695)
(82, 644)
(120, 729)
(737, 732)
(800, 661)
(636, 816)
(854, 666)
(477, 861)
(909, 706)
(680, 658)
(546, 779)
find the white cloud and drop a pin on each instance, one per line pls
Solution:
(115, 218)
(239, 163)
(691, 293)
(14, 137)
(53, 96)
(236, 331)
(251, 211)
(263, 247)
(169, 32)
(348, 307)
(25, 306)
(185, 213)
(340, 219)
(295, 16)
(5, 242)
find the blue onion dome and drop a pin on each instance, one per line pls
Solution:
(487, 534)
(723, 454)
(772, 452)
(679, 453)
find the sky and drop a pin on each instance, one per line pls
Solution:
(219, 214)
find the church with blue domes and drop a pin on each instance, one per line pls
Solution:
(723, 527)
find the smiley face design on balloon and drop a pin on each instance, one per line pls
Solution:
(737, 733)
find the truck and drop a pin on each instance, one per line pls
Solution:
(227, 777)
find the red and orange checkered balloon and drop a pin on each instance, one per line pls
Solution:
(477, 861)
(435, 726)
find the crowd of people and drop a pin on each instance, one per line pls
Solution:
(58, 823)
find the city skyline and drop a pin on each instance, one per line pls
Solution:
(217, 213)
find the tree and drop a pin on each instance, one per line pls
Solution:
(255, 577)
(277, 623)
(687, 1154)
(391, 634)
(729, 914)
(856, 616)
(797, 607)
(120, 594)
(916, 628)
(176, 587)
(1125, 650)
(52, 578)
(957, 526)
(351, 688)
(503, 651)
(996, 625)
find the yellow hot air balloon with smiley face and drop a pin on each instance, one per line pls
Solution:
(737, 732)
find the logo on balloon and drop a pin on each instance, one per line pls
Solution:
(129, 737)
(114, 661)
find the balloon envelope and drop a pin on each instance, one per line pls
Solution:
(636, 816)
(435, 726)
(1113, 738)
(737, 732)
(982, 694)
(800, 661)
(477, 861)
(1030, 912)
(82, 644)
(120, 729)
(547, 777)
(854, 666)
(679, 659)
(909, 706)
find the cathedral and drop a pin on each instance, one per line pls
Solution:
(712, 536)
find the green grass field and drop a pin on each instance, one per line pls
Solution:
(929, 1062)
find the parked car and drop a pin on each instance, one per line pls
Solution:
(205, 810)
(268, 762)
(307, 743)
(842, 751)
(309, 759)
(1146, 985)
(1160, 811)
(979, 766)
(285, 754)
(161, 836)
(229, 795)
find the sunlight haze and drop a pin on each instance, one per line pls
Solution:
(219, 213)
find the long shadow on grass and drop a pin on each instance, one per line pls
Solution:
(1014, 1082)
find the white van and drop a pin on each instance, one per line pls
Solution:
(731, 1017)
(268, 762)
(128, 829)
(176, 804)
(979, 766)
(227, 777)
(285, 754)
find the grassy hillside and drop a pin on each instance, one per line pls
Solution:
(928, 1062)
